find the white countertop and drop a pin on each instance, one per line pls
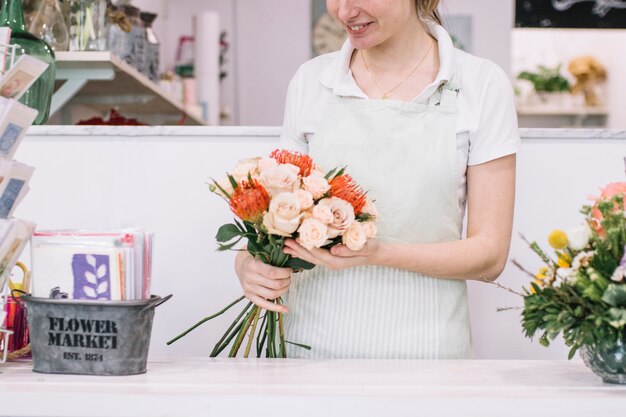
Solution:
(260, 387)
(259, 132)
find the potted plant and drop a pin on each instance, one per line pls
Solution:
(551, 87)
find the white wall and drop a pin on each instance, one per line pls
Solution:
(156, 178)
(492, 24)
(273, 41)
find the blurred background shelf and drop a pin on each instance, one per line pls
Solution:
(550, 116)
(85, 79)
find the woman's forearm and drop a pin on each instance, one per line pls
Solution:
(474, 258)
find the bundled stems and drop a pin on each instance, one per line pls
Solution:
(216, 350)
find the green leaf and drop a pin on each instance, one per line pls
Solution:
(618, 317)
(572, 352)
(233, 182)
(229, 246)
(297, 263)
(227, 233)
(615, 295)
(330, 173)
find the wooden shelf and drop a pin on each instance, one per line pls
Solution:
(547, 110)
(101, 80)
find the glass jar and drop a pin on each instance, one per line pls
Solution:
(49, 25)
(607, 359)
(87, 25)
(132, 43)
(39, 95)
(151, 47)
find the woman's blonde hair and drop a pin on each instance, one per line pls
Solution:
(427, 10)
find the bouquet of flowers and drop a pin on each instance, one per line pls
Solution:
(285, 196)
(580, 292)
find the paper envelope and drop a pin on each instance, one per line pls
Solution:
(83, 272)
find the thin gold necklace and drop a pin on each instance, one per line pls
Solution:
(387, 94)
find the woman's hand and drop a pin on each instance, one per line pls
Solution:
(262, 282)
(338, 257)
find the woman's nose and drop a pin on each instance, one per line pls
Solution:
(348, 10)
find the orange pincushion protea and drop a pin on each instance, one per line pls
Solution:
(249, 201)
(344, 187)
(302, 161)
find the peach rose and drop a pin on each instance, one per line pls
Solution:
(283, 216)
(322, 213)
(370, 229)
(280, 179)
(354, 237)
(265, 163)
(343, 215)
(316, 184)
(312, 233)
(370, 208)
(306, 199)
(286, 206)
(245, 167)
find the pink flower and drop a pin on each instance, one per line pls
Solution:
(322, 213)
(370, 229)
(343, 215)
(280, 179)
(305, 197)
(312, 234)
(354, 237)
(610, 190)
(283, 216)
(316, 184)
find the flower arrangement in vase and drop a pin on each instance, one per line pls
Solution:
(580, 291)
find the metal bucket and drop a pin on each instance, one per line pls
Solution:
(90, 337)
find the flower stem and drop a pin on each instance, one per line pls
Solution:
(242, 333)
(283, 351)
(271, 335)
(215, 351)
(252, 332)
(260, 340)
(219, 313)
(219, 348)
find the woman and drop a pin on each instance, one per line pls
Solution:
(427, 129)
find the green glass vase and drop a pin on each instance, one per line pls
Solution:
(39, 95)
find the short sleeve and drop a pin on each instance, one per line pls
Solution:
(497, 133)
(291, 136)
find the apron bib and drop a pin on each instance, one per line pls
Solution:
(404, 155)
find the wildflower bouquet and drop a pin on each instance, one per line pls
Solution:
(285, 196)
(580, 292)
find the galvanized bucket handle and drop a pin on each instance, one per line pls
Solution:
(18, 299)
(156, 303)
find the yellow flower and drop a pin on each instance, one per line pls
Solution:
(541, 275)
(564, 261)
(558, 239)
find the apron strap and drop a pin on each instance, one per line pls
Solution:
(445, 96)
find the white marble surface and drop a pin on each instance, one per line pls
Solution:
(146, 132)
(208, 132)
(260, 387)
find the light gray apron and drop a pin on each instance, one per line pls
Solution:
(404, 154)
